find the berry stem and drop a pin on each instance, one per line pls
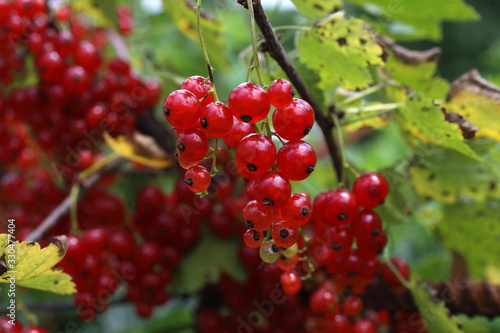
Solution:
(340, 144)
(395, 271)
(310, 266)
(365, 92)
(204, 49)
(214, 170)
(255, 48)
(32, 319)
(73, 212)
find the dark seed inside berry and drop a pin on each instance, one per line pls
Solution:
(373, 192)
(284, 233)
(305, 211)
(268, 202)
(249, 224)
(275, 248)
(204, 122)
(181, 146)
(375, 231)
(188, 181)
(336, 246)
(310, 169)
(166, 111)
(256, 236)
(246, 119)
(342, 216)
(307, 130)
(252, 167)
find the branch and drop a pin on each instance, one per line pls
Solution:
(277, 51)
(63, 208)
(148, 124)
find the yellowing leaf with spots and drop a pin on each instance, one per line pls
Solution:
(478, 101)
(421, 121)
(141, 149)
(32, 266)
(4, 240)
(184, 15)
(434, 313)
(473, 231)
(341, 51)
(315, 9)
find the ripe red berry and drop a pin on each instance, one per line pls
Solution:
(370, 189)
(280, 93)
(253, 238)
(352, 306)
(192, 145)
(338, 238)
(76, 80)
(284, 235)
(256, 153)
(182, 109)
(341, 207)
(50, 66)
(272, 190)
(216, 120)
(249, 102)
(239, 130)
(367, 223)
(297, 210)
(87, 56)
(197, 178)
(290, 282)
(150, 201)
(199, 86)
(294, 121)
(363, 325)
(256, 218)
(296, 159)
(402, 267)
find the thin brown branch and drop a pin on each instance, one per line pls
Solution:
(277, 51)
(55, 216)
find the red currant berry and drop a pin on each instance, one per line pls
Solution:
(297, 210)
(239, 130)
(216, 120)
(338, 238)
(272, 190)
(296, 159)
(249, 102)
(370, 189)
(367, 223)
(370, 245)
(256, 153)
(182, 109)
(185, 164)
(150, 201)
(50, 66)
(284, 235)
(76, 80)
(352, 306)
(363, 325)
(199, 86)
(341, 207)
(253, 238)
(192, 145)
(287, 264)
(87, 56)
(294, 121)
(403, 269)
(290, 282)
(197, 178)
(280, 93)
(255, 217)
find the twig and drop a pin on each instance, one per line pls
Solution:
(64, 206)
(277, 51)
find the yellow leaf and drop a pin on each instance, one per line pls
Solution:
(4, 240)
(136, 151)
(31, 266)
(478, 101)
(492, 274)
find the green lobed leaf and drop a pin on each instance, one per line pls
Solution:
(476, 324)
(422, 121)
(317, 8)
(473, 231)
(341, 51)
(445, 175)
(434, 314)
(410, 20)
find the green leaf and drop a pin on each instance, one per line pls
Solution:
(434, 314)
(207, 261)
(422, 121)
(315, 9)
(103, 13)
(409, 20)
(444, 174)
(185, 18)
(473, 231)
(341, 51)
(476, 324)
(32, 266)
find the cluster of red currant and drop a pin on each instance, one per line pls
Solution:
(77, 94)
(6, 327)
